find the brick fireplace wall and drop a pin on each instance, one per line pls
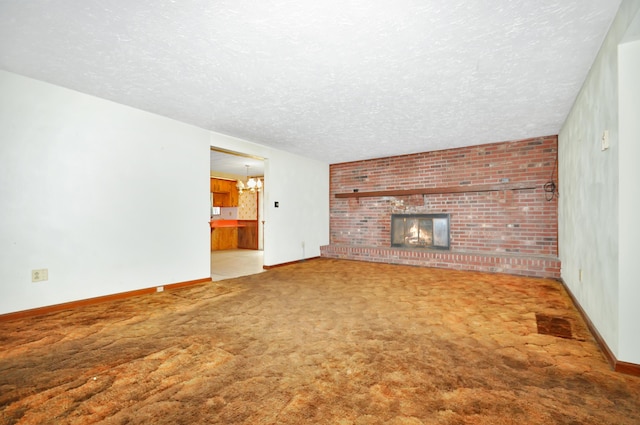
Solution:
(508, 231)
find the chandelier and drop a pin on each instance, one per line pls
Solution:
(251, 184)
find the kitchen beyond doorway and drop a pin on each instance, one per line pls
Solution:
(238, 215)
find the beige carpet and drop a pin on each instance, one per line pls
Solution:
(321, 342)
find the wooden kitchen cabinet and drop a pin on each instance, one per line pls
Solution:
(225, 193)
(224, 238)
(248, 234)
(233, 196)
(215, 185)
(220, 199)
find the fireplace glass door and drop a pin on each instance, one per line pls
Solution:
(429, 231)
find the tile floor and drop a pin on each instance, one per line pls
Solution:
(230, 263)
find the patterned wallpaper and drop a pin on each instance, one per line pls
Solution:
(248, 206)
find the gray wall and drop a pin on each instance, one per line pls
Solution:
(592, 197)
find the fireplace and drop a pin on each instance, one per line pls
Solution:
(424, 231)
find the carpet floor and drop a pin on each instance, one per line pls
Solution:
(319, 342)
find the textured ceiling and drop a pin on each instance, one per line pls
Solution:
(224, 163)
(335, 80)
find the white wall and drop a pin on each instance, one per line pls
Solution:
(301, 187)
(589, 203)
(629, 186)
(106, 197)
(302, 219)
(112, 199)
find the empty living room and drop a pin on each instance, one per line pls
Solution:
(448, 218)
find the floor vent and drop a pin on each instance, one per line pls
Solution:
(554, 326)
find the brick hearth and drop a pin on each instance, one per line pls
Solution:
(548, 267)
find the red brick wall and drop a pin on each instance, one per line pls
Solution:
(519, 223)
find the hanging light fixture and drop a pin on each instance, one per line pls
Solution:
(253, 185)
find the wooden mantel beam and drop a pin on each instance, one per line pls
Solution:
(440, 190)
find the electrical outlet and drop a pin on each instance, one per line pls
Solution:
(159, 288)
(39, 275)
(580, 275)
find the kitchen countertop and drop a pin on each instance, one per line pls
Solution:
(230, 223)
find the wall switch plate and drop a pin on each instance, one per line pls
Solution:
(605, 140)
(39, 275)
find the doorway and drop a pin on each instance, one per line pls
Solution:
(237, 213)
